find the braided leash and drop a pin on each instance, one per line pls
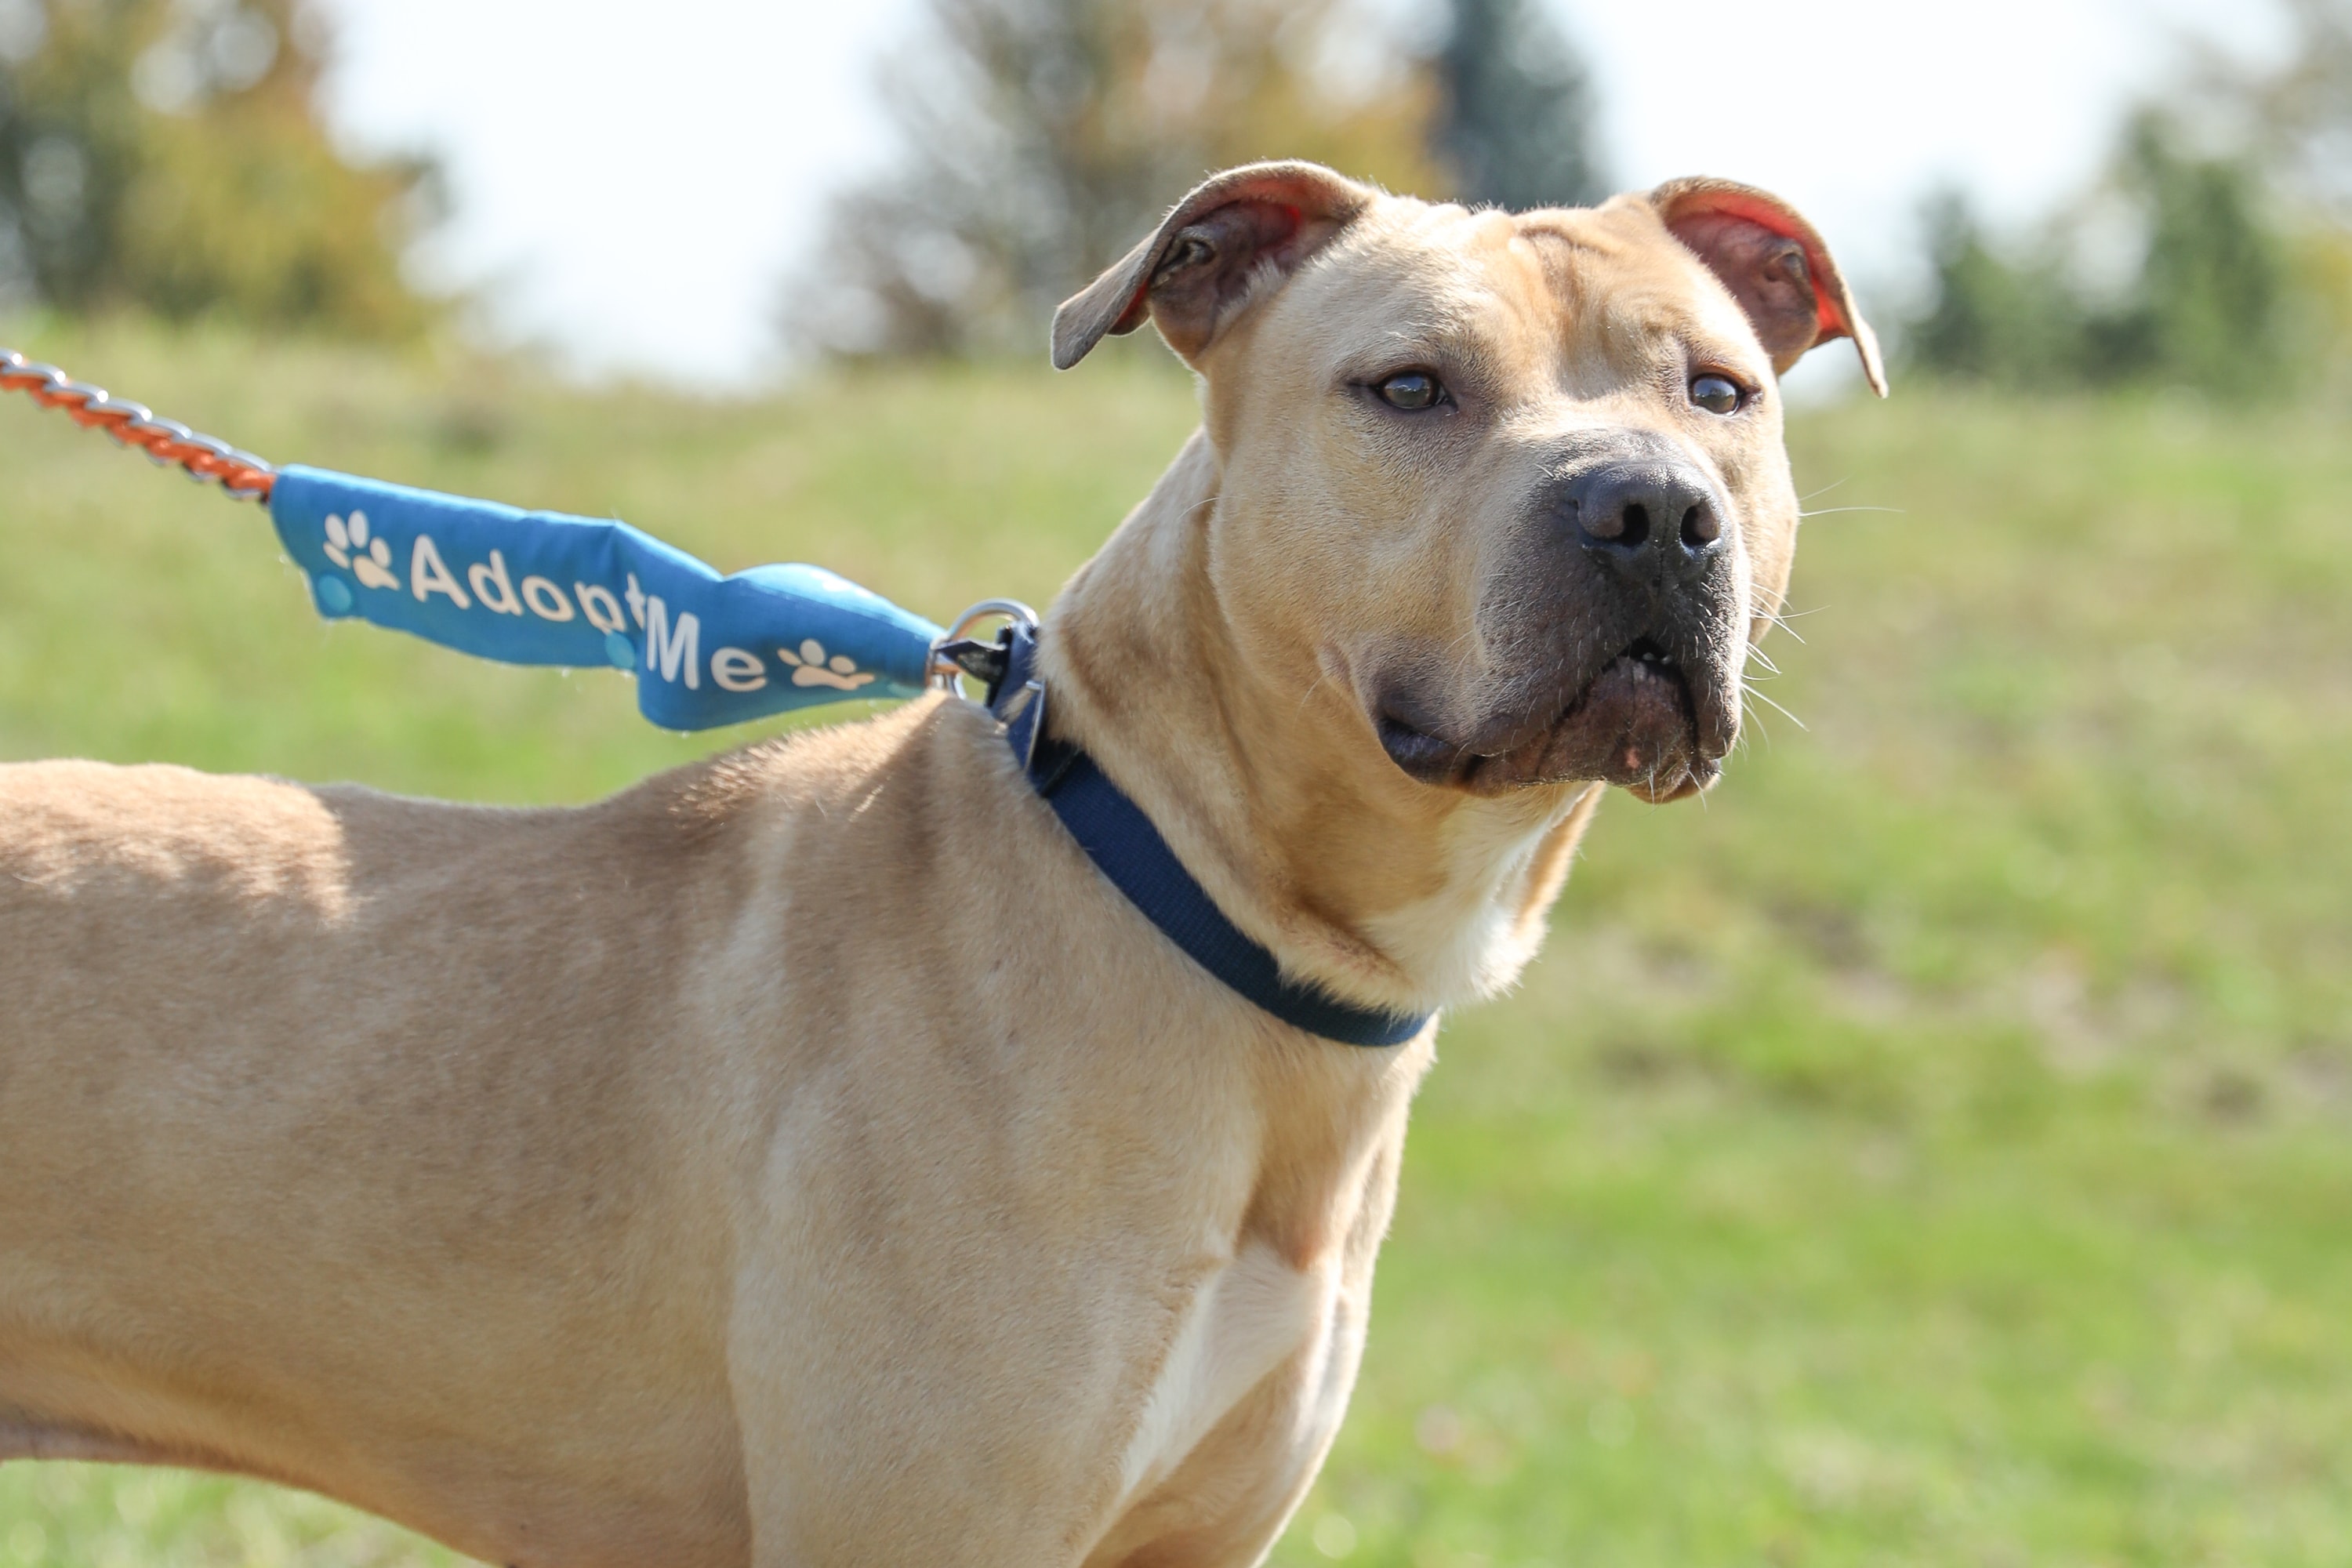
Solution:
(241, 475)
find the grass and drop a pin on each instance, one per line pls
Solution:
(1929, 1151)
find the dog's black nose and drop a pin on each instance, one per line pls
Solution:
(1651, 518)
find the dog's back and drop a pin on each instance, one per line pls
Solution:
(244, 1024)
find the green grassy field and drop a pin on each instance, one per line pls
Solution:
(1931, 1150)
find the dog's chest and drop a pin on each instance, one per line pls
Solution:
(1256, 1318)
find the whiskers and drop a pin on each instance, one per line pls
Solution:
(1748, 691)
(1826, 510)
(1782, 620)
(1752, 699)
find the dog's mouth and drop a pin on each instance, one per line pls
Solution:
(1637, 724)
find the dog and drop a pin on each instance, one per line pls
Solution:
(808, 1156)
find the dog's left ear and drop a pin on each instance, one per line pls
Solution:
(1210, 257)
(1775, 264)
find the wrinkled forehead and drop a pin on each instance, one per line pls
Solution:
(1582, 299)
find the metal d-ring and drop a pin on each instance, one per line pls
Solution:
(947, 674)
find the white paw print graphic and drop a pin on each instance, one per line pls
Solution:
(369, 560)
(811, 668)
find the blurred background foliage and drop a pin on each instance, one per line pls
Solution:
(2212, 254)
(1515, 123)
(167, 156)
(1037, 140)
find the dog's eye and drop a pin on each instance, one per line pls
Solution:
(1411, 390)
(1716, 393)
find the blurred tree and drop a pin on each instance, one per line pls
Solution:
(2236, 195)
(2301, 116)
(168, 155)
(1517, 109)
(1039, 139)
(2302, 109)
(2205, 300)
(1992, 317)
(2211, 305)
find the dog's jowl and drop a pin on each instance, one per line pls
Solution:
(810, 1157)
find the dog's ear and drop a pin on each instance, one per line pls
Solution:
(1775, 264)
(1210, 256)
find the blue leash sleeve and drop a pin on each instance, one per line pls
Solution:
(536, 587)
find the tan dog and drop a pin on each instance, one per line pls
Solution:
(808, 1157)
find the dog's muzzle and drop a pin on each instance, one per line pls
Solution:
(1620, 640)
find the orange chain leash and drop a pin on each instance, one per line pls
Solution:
(165, 441)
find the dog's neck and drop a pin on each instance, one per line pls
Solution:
(1261, 769)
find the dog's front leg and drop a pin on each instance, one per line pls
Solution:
(908, 1399)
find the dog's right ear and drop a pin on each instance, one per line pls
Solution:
(1209, 258)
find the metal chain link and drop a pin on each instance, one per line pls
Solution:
(165, 441)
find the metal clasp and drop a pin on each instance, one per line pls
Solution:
(954, 656)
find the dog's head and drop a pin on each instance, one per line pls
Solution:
(1515, 480)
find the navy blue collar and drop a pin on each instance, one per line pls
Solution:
(1124, 846)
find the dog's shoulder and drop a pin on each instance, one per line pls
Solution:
(917, 762)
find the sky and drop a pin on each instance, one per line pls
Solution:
(631, 182)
